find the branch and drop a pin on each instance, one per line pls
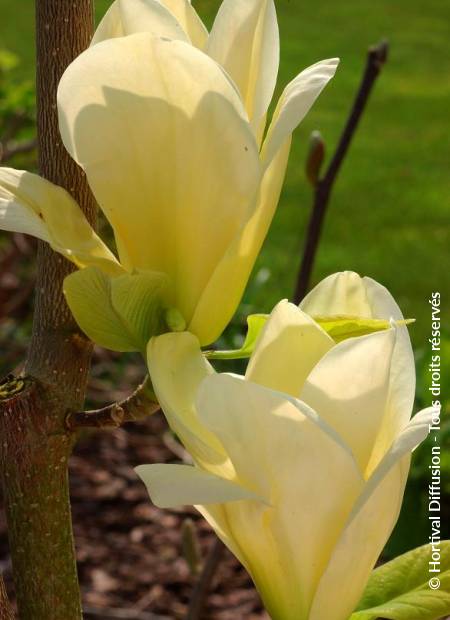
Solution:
(204, 582)
(376, 58)
(10, 150)
(138, 406)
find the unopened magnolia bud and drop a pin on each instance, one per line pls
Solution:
(315, 158)
(174, 320)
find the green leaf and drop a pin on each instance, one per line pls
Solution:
(119, 313)
(338, 327)
(255, 323)
(400, 589)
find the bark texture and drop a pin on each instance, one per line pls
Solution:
(5, 608)
(35, 445)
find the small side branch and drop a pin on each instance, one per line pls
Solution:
(204, 582)
(376, 58)
(9, 150)
(138, 406)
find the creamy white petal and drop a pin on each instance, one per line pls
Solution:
(177, 368)
(284, 453)
(150, 16)
(369, 527)
(126, 17)
(170, 486)
(189, 20)
(173, 160)
(349, 388)
(403, 373)
(218, 302)
(289, 346)
(245, 41)
(216, 516)
(346, 293)
(110, 25)
(340, 294)
(32, 205)
(295, 103)
(20, 210)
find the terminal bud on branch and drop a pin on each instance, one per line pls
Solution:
(316, 156)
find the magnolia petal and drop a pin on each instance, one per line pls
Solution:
(245, 41)
(284, 453)
(218, 302)
(177, 367)
(32, 205)
(369, 527)
(411, 436)
(189, 20)
(295, 103)
(129, 308)
(346, 293)
(171, 486)
(110, 25)
(349, 388)
(403, 373)
(150, 16)
(296, 342)
(216, 516)
(126, 17)
(162, 166)
(341, 294)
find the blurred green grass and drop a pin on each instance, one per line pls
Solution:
(389, 216)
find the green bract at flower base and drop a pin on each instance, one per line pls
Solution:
(168, 124)
(120, 312)
(301, 465)
(338, 327)
(400, 589)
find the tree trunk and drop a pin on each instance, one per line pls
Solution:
(6, 612)
(35, 447)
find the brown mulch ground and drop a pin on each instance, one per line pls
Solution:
(129, 552)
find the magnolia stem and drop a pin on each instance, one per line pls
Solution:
(138, 406)
(376, 58)
(204, 582)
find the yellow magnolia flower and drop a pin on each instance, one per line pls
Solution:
(301, 465)
(244, 40)
(172, 152)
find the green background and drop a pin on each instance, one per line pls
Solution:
(389, 215)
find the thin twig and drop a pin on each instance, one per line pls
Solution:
(204, 582)
(376, 58)
(138, 406)
(10, 150)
